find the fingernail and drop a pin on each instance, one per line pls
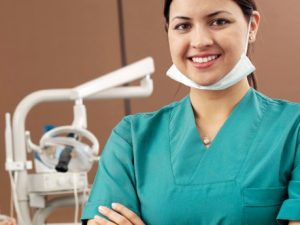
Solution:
(114, 205)
(97, 217)
(101, 208)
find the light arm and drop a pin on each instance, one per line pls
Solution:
(134, 71)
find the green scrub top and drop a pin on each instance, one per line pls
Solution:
(156, 165)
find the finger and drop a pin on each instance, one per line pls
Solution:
(9, 221)
(114, 216)
(93, 222)
(13, 221)
(6, 222)
(130, 215)
(101, 221)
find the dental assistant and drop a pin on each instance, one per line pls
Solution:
(224, 155)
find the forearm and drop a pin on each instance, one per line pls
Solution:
(294, 222)
(92, 222)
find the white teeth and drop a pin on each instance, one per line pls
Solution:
(205, 59)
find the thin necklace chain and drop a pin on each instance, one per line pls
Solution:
(205, 139)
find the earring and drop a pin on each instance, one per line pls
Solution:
(251, 36)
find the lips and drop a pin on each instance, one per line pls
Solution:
(204, 61)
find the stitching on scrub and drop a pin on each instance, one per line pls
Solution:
(176, 105)
(134, 168)
(161, 110)
(280, 102)
(298, 135)
(116, 133)
(198, 186)
(124, 129)
(171, 114)
(130, 147)
(171, 127)
(169, 135)
(234, 112)
(275, 101)
(258, 124)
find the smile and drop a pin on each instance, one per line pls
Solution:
(204, 62)
(204, 59)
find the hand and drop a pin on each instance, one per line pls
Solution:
(10, 221)
(119, 215)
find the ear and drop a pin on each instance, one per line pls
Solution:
(254, 26)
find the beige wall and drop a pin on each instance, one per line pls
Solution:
(62, 43)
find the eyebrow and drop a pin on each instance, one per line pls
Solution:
(209, 15)
(217, 13)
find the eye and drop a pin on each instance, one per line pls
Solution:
(220, 22)
(182, 26)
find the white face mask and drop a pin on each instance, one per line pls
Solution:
(242, 69)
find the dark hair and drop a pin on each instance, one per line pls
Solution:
(247, 6)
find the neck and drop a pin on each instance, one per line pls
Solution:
(216, 106)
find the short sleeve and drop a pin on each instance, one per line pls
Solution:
(115, 177)
(290, 209)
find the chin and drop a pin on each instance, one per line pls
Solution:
(206, 82)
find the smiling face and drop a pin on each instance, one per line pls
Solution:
(206, 38)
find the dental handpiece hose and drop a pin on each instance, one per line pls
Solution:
(8, 139)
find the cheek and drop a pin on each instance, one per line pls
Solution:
(238, 43)
(232, 43)
(173, 48)
(178, 47)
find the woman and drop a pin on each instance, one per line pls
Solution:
(226, 154)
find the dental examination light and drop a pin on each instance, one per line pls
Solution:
(65, 154)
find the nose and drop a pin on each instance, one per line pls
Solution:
(201, 38)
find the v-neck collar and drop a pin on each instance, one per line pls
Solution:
(236, 110)
(222, 159)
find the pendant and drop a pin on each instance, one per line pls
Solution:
(206, 141)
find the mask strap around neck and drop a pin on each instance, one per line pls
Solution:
(248, 35)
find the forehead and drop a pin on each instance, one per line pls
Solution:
(203, 7)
